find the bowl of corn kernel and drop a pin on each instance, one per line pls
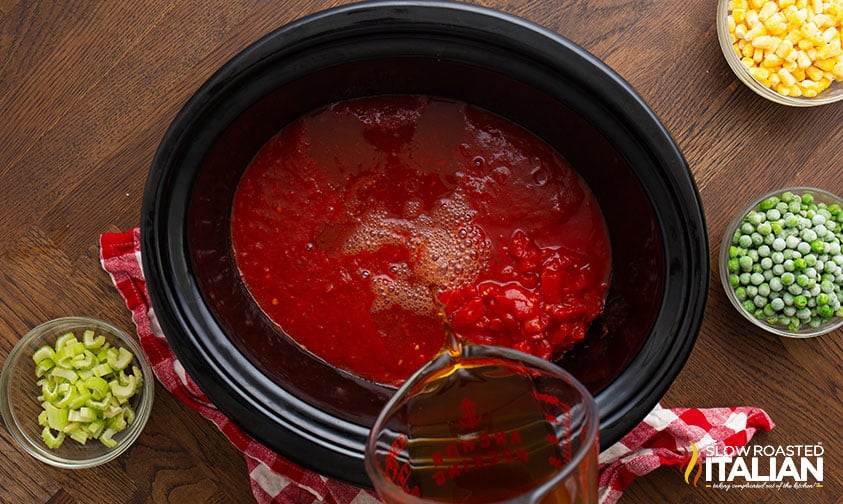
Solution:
(788, 51)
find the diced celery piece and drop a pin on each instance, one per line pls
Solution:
(102, 369)
(82, 414)
(98, 387)
(45, 352)
(79, 434)
(84, 360)
(42, 367)
(68, 375)
(107, 439)
(123, 392)
(49, 390)
(64, 339)
(52, 441)
(121, 359)
(91, 341)
(99, 405)
(56, 417)
(96, 427)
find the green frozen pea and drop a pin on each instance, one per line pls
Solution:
(734, 265)
(745, 241)
(825, 311)
(769, 203)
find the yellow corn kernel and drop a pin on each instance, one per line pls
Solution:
(785, 48)
(830, 34)
(802, 60)
(826, 65)
(776, 24)
(756, 31)
(747, 51)
(809, 89)
(748, 63)
(814, 73)
(811, 31)
(799, 74)
(805, 44)
(786, 3)
(793, 37)
(771, 60)
(756, 4)
(740, 31)
(738, 4)
(818, 6)
(787, 78)
(791, 13)
(760, 73)
(838, 70)
(775, 80)
(758, 55)
(765, 42)
(829, 51)
(823, 20)
(767, 10)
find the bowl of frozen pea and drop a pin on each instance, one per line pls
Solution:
(76, 392)
(788, 51)
(781, 262)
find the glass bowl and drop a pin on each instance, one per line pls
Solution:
(19, 393)
(778, 289)
(833, 94)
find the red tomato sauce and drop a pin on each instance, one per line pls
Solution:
(353, 219)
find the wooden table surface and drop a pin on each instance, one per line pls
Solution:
(87, 89)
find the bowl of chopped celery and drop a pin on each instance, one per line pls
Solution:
(76, 392)
(781, 263)
(788, 51)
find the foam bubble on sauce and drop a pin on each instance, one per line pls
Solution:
(447, 251)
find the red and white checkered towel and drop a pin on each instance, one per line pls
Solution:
(663, 438)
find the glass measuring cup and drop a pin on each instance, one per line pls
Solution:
(484, 424)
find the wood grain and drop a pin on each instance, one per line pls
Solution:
(87, 90)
